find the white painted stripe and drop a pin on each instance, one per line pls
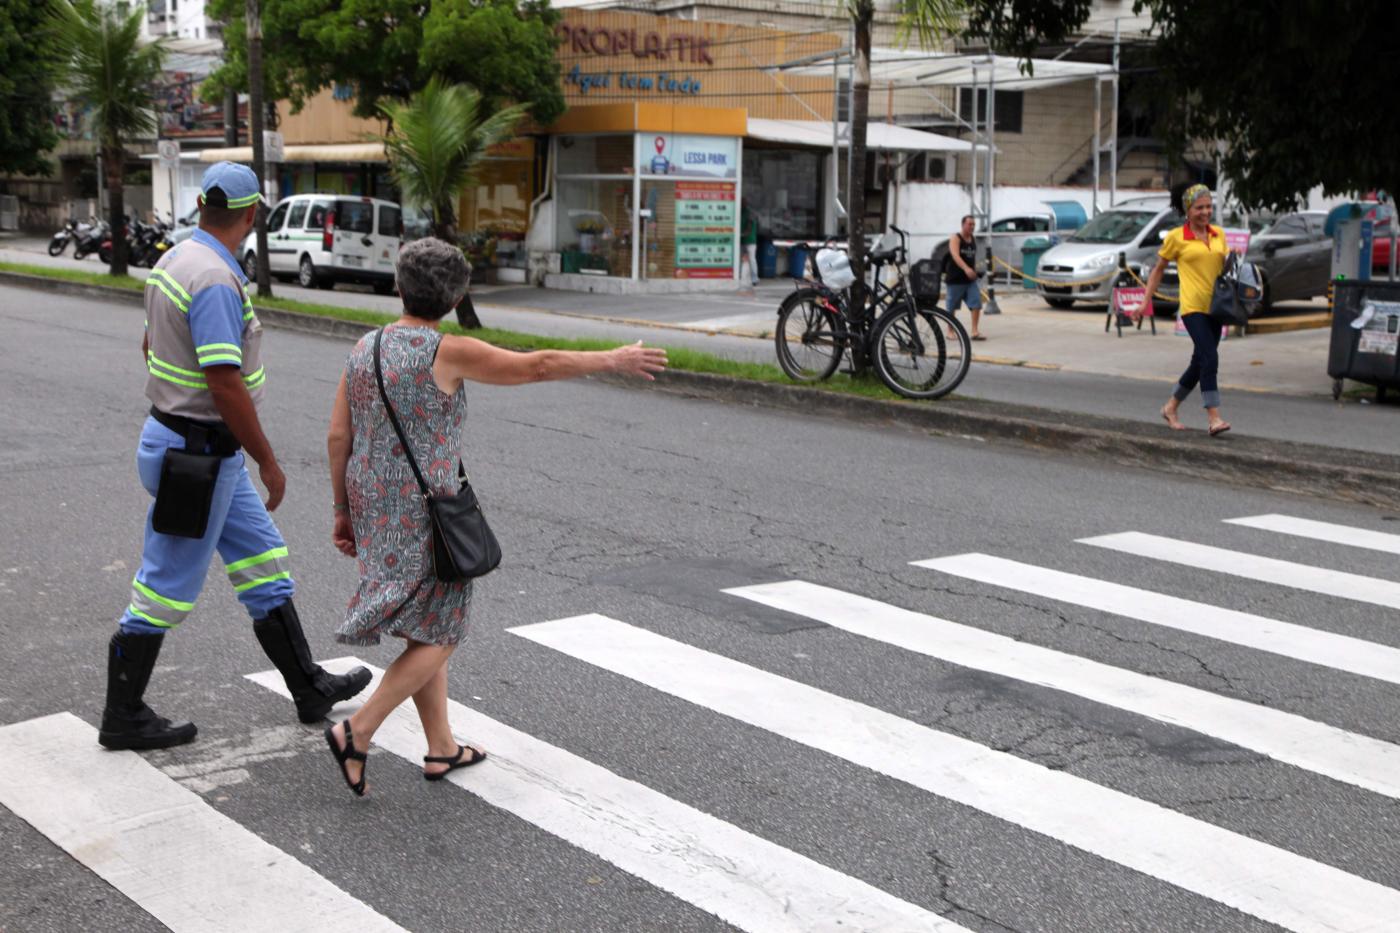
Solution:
(729, 320)
(1266, 569)
(173, 855)
(1345, 756)
(1322, 531)
(1340, 652)
(741, 878)
(1243, 873)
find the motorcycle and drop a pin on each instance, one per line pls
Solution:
(59, 243)
(88, 238)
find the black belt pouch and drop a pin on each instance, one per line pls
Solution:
(186, 492)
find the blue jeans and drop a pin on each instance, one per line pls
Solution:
(963, 292)
(1205, 360)
(173, 569)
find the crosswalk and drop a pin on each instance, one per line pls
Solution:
(225, 877)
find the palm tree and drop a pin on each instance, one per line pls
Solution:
(107, 67)
(930, 21)
(437, 140)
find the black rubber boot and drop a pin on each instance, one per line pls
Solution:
(313, 689)
(127, 722)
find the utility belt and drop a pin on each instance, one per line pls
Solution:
(189, 477)
(200, 436)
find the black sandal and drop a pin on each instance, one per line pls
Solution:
(348, 753)
(453, 762)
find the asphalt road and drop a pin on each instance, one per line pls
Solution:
(691, 321)
(643, 507)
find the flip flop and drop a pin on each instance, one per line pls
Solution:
(1217, 429)
(979, 337)
(453, 762)
(348, 753)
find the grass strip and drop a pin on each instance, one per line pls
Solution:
(679, 358)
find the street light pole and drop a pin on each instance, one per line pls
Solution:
(255, 129)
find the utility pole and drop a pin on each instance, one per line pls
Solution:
(255, 130)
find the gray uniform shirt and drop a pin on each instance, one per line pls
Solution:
(198, 315)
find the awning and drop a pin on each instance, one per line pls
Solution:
(912, 68)
(337, 152)
(879, 136)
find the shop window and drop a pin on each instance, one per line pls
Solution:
(594, 226)
(690, 234)
(1009, 105)
(783, 190)
(499, 203)
(595, 155)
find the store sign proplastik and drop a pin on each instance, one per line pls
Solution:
(641, 47)
(703, 156)
(705, 217)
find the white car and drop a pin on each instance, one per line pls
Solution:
(321, 239)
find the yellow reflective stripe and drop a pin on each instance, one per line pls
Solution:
(146, 591)
(204, 348)
(161, 279)
(242, 587)
(152, 280)
(235, 203)
(176, 379)
(256, 559)
(149, 618)
(256, 379)
(174, 369)
(248, 315)
(220, 358)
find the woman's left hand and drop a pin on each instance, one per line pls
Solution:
(343, 534)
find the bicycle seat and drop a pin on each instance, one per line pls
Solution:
(882, 255)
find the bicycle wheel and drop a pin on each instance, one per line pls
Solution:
(921, 353)
(809, 349)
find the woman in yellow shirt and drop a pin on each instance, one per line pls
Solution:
(1198, 249)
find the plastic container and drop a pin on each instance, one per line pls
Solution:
(797, 262)
(1031, 252)
(767, 259)
(1370, 353)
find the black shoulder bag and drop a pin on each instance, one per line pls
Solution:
(463, 545)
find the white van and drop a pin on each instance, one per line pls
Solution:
(321, 239)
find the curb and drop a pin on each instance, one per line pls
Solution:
(1283, 466)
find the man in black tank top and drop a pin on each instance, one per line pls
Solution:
(961, 275)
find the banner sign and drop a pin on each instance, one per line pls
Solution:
(1132, 302)
(705, 218)
(703, 156)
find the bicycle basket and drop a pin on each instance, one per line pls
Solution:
(926, 279)
(834, 268)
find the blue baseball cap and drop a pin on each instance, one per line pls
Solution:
(229, 184)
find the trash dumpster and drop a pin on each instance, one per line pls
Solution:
(797, 261)
(767, 259)
(1365, 344)
(1031, 252)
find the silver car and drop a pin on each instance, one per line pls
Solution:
(1085, 260)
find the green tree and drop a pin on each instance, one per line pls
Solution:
(106, 66)
(391, 48)
(27, 66)
(929, 21)
(1297, 92)
(439, 138)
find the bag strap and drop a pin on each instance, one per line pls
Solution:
(393, 418)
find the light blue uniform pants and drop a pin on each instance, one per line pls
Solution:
(173, 569)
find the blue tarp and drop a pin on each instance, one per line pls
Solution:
(1069, 215)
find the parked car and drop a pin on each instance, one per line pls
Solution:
(1295, 256)
(1010, 233)
(322, 239)
(1135, 228)
(184, 227)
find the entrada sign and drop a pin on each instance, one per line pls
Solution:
(671, 47)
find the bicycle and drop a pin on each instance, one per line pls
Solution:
(918, 350)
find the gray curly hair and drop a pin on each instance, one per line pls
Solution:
(433, 276)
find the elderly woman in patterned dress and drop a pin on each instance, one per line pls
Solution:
(380, 517)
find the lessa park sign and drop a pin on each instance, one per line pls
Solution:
(645, 47)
